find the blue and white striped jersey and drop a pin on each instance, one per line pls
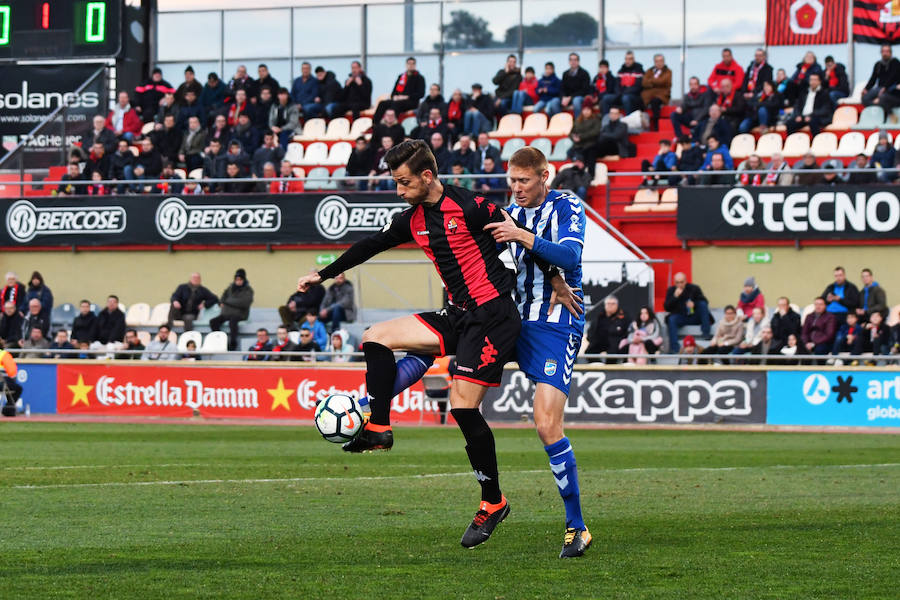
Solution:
(559, 221)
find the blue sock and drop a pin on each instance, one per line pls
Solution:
(565, 471)
(410, 369)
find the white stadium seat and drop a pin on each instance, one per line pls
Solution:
(743, 145)
(851, 144)
(535, 124)
(824, 144)
(510, 125)
(313, 130)
(338, 129)
(315, 154)
(294, 153)
(187, 336)
(339, 154)
(138, 314)
(796, 144)
(359, 127)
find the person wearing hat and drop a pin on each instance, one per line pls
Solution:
(190, 83)
(149, 94)
(688, 348)
(235, 302)
(751, 298)
(883, 157)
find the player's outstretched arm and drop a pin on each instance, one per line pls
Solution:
(308, 281)
(566, 254)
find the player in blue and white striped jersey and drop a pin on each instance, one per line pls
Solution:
(552, 314)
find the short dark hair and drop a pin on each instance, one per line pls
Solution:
(839, 268)
(362, 138)
(166, 327)
(603, 63)
(262, 65)
(512, 56)
(134, 331)
(84, 302)
(665, 142)
(283, 90)
(113, 296)
(730, 307)
(728, 50)
(529, 70)
(415, 154)
(550, 64)
(320, 69)
(263, 330)
(411, 58)
(867, 270)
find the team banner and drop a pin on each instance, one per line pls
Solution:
(804, 22)
(164, 219)
(814, 212)
(876, 22)
(29, 93)
(132, 388)
(642, 396)
(841, 398)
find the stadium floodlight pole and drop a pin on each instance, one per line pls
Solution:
(851, 50)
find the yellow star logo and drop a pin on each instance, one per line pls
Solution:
(280, 395)
(80, 391)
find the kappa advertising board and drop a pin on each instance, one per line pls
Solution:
(814, 212)
(642, 396)
(843, 398)
(214, 392)
(29, 93)
(174, 219)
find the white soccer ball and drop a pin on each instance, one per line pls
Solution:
(339, 418)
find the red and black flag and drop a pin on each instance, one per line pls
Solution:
(805, 22)
(876, 22)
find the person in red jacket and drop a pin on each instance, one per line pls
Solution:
(727, 69)
(294, 186)
(124, 120)
(526, 95)
(751, 298)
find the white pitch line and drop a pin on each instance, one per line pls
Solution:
(437, 475)
(65, 467)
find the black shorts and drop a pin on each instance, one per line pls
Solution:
(483, 339)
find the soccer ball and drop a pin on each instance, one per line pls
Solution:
(339, 418)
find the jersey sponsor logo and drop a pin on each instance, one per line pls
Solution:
(550, 367)
(25, 221)
(425, 232)
(175, 218)
(465, 369)
(335, 216)
(488, 353)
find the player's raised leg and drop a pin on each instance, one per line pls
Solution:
(549, 407)
(379, 344)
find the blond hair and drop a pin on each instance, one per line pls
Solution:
(529, 158)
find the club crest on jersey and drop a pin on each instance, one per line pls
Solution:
(550, 367)
(451, 225)
(574, 226)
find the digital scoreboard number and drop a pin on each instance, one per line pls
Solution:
(58, 29)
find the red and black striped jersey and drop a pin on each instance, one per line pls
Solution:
(451, 233)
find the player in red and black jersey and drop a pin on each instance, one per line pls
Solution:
(480, 328)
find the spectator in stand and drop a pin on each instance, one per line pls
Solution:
(465, 155)
(434, 99)
(688, 348)
(657, 92)
(433, 124)
(734, 108)
(819, 329)
(190, 83)
(172, 183)
(190, 352)
(245, 133)
(694, 107)
(799, 81)
(497, 182)
(381, 168)
(150, 94)
(67, 188)
(235, 301)
(779, 171)
(604, 92)
(243, 81)
(507, 81)
(575, 178)
(483, 150)
(167, 107)
(161, 348)
(188, 299)
(713, 125)
(190, 154)
(692, 157)
(842, 296)
(238, 107)
(860, 172)
(764, 109)
(84, 324)
(265, 81)
(876, 335)
(36, 340)
(263, 344)
(830, 176)
(526, 95)
(10, 326)
(34, 319)
(408, 90)
(305, 90)
(110, 324)
(360, 163)
(686, 305)
(629, 86)
(849, 337)
(212, 98)
(301, 303)
(885, 76)
(101, 134)
(813, 108)
(755, 322)
(389, 126)
(338, 305)
(38, 290)
(608, 329)
(714, 147)
(311, 323)
(664, 162)
(124, 120)
(441, 153)
(290, 183)
(872, 298)
(714, 177)
(457, 169)
(233, 172)
(808, 163)
(167, 139)
(751, 297)
(758, 72)
(479, 115)
(727, 69)
(835, 79)
(357, 95)
(269, 152)
(753, 163)
(883, 158)
(264, 103)
(785, 321)
(282, 343)
(456, 110)
(576, 84)
(237, 155)
(214, 159)
(767, 346)
(612, 141)
(729, 333)
(548, 90)
(98, 161)
(340, 347)
(307, 344)
(329, 92)
(645, 332)
(284, 118)
(61, 342)
(220, 131)
(792, 347)
(148, 165)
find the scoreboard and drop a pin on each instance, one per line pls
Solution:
(60, 29)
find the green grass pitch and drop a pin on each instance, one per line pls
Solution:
(155, 511)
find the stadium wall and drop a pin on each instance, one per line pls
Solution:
(799, 396)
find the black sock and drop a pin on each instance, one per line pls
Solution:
(481, 451)
(381, 370)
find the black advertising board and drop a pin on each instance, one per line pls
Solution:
(641, 396)
(791, 213)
